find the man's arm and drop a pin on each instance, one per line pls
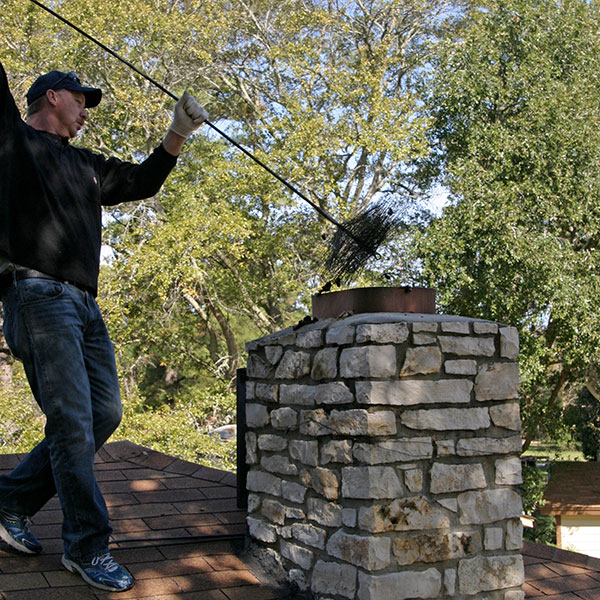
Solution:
(9, 113)
(187, 117)
(173, 143)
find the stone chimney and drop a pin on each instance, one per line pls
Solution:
(383, 453)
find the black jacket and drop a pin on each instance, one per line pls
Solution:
(51, 195)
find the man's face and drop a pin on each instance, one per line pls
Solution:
(71, 112)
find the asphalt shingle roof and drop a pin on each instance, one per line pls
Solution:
(176, 526)
(178, 530)
(555, 574)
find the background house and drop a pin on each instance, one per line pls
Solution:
(573, 497)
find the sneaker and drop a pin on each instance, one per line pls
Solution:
(14, 530)
(102, 572)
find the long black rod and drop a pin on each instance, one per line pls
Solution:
(322, 212)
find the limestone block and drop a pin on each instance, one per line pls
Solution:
(293, 365)
(422, 360)
(303, 395)
(336, 451)
(297, 576)
(489, 506)
(256, 415)
(309, 535)
(461, 366)
(449, 503)
(486, 574)
(272, 443)
(349, 517)
(324, 364)
(333, 393)
(382, 333)
(456, 478)
(294, 492)
(413, 480)
(258, 368)
(341, 335)
(285, 532)
(278, 464)
(352, 422)
(309, 395)
(509, 342)
(257, 481)
(303, 557)
(497, 381)
(450, 582)
(369, 552)
(251, 453)
(250, 389)
(413, 392)
(460, 327)
(445, 448)
(447, 419)
(514, 595)
(284, 418)
(508, 471)
(309, 339)
(274, 511)
(493, 538)
(325, 513)
(368, 361)
(314, 423)
(294, 513)
(273, 354)
(399, 586)
(265, 391)
(285, 337)
(306, 451)
(467, 346)
(436, 547)
(424, 339)
(348, 422)
(428, 327)
(370, 482)
(325, 482)
(254, 502)
(485, 445)
(261, 531)
(402, 514)
(483, 328)
(382, 422)
(403, 449)
(514, 534)
(506, 415)
(334, 578)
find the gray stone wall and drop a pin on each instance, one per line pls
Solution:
(384, 457)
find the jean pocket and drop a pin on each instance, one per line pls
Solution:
(35, 290)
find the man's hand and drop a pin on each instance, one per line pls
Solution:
(188, 116)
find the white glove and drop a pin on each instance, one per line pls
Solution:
(188, 116)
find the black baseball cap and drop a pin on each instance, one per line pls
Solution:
(57, 80)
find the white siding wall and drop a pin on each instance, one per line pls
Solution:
(581, 534)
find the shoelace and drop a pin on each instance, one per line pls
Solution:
(106, 562)
(20, 520)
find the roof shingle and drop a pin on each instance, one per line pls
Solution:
(176, 527)
(178, 530)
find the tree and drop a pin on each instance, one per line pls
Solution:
(514, 100)
(322, 92)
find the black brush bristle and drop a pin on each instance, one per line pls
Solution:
(358, 239)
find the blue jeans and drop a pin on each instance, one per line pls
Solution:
(58, 333)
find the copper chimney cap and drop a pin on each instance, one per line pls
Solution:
(373, 300)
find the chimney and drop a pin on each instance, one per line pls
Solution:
(383, 456)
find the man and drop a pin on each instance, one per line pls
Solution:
(51, 194)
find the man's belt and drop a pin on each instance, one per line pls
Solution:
(20, 274)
